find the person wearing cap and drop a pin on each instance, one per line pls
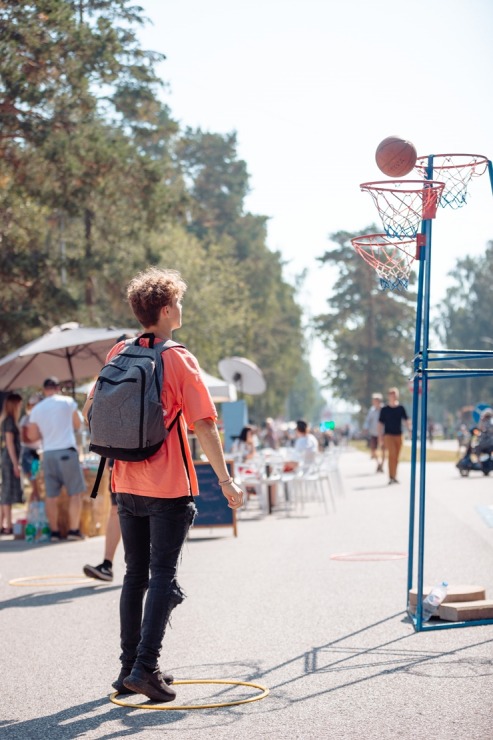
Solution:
(370, 426)
(55, 420)
(30, 450)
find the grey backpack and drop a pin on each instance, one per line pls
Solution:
(126, 417)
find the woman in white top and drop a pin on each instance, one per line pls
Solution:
(306, 444)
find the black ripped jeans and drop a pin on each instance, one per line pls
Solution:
(153, 533)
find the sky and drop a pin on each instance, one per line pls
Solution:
(311, 87)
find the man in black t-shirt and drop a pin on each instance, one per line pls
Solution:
(390, 430)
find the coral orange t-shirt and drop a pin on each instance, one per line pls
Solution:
(164, 474)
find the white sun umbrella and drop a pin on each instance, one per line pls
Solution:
(221, 391)
(69, 352)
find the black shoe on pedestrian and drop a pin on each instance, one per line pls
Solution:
(101, 572)
(75, 535)
(149, 683)
(120, 687)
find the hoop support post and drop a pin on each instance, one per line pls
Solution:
(421, 256)
(422, 423)
(490, 172)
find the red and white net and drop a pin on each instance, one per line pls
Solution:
(404, 204)
(391, 259)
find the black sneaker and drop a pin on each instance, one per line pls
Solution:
(101, 572)
(55, 537)
(75, 535)
(120, 687)
(149, 683)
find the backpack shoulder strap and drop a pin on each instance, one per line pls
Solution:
(168, 344)
(99, 475)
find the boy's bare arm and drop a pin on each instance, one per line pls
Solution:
(208, 436)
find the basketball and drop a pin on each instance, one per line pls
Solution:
(395, 157)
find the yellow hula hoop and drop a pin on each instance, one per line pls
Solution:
(215, 705)
(74, 580)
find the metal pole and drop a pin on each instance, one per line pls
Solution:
(415, 417)
(490, 172)
(424, 409)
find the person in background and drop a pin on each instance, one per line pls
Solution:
(30, 450)
(243, 447)
(370, 426)
(104, 571)
(431, 431)
(55, 420)
(269, 435)
(11, 450)
(462, 436)
(392, 416)
(306, 444)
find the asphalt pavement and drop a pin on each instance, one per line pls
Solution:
(284, 605)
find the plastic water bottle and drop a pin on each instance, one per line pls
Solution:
(30, 532)
(32, 526)
(45, 534)
(433, 600)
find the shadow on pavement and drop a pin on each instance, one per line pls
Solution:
(55, 597)
(70, 722)
(386, 658)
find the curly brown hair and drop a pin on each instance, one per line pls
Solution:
(151, 290)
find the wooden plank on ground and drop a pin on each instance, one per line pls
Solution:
(466, 611)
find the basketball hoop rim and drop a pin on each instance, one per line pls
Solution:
(388, 185)
(386, 240)
(479, 159)
(363, 244)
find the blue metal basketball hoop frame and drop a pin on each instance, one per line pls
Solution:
(458, 170)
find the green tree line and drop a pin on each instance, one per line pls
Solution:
(370, 333)
(98, 181)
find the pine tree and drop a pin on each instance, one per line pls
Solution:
(370, 333)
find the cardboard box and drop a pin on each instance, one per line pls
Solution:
(455, 593)
(466, 611)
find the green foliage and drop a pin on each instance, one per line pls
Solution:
(370, 333)
(97, 182)
(305, 400)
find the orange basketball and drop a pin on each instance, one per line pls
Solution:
(395, 157)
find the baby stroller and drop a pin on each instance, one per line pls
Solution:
(479, 452)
